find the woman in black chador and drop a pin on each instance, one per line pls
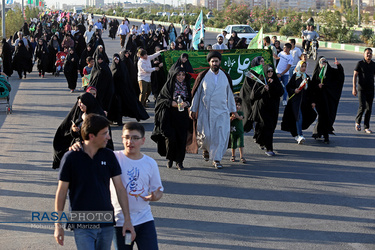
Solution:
(266, 99)
(124, 102)
(82, 61)
(71, 69)
(6, 55)
(245, 94)
(41, 55)
(22, 62)
(101, 79)
(327, 83)
(171, 125)
(54, 46)
(100, 50)
(126, 58)
(69, 130)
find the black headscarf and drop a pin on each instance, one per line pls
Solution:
(187, 65)
(124, 102)
(101, 79)
(63, 138)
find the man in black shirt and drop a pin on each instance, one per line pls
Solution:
(86, 174)
(365, 71)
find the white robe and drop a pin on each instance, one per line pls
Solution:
(214, 102)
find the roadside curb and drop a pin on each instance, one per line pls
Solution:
(322, 44)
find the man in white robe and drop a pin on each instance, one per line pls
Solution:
(212, 104)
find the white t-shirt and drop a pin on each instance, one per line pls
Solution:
(296, 54)
(88, 34)
(283, 63)
(140, 178)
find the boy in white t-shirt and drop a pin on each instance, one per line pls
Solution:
(296, 54)
(282, 70)
(141, 178)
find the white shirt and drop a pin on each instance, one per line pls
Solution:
(88, 34)
(219, 46)
(145, 27)
(123, 29)
(140, 178)
(283, 63)
(296, 54)
(145, 69)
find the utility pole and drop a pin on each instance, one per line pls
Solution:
(359, 13)
(164, 6)
(217, 5)
(3, 18)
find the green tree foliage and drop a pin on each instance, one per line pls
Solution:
(13, 21)
(236, 13)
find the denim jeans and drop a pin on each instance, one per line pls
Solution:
(291, 70)
(94, 239)
(284, 79)
(299, 122)
(146, 238)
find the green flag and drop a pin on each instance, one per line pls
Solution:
(29, 1)
(257, 42)
(322, 73)
(259, 70)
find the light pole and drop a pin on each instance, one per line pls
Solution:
(3, 18)
(359, 13)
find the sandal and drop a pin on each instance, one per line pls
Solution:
(206, 155)
(217, 165)
(243, 160)
(358, 127)
(233, 158)
(368, 131)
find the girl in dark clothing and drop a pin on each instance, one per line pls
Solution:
(41, 55)
(172, 119)
(125, 57)
(22, 62)
(71, 69)
(299, 113)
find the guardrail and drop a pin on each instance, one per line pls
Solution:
(322, 44)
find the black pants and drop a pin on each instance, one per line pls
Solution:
(365, 106)
(306, 45)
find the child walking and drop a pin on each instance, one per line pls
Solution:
(237, 131)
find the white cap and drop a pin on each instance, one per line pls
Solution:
(220, 35)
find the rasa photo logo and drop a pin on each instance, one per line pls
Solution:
(72, 217)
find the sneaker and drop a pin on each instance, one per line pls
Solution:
(270, 153)
(284, 103)
(301, 139)
(217, 165)
(296, 138)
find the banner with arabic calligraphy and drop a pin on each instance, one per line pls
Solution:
(235, 62)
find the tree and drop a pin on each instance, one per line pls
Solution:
(227, 3)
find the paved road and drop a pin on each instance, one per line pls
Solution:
(311, 196)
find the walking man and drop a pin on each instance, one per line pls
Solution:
(282, 70)
(212, 105)
(122, 31)
(86, 175)
(365, 71)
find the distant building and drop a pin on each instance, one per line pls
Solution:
(95, 3)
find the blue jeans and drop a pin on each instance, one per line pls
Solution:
(291, 70)
(98, 239)
(146, 238)
(284, 79)
(299, 122)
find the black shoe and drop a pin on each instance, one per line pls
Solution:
(326, 140)
(169, 164)
(179, 166)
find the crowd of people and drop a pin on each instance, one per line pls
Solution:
(206, 116)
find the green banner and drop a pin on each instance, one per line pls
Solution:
(235, 62)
